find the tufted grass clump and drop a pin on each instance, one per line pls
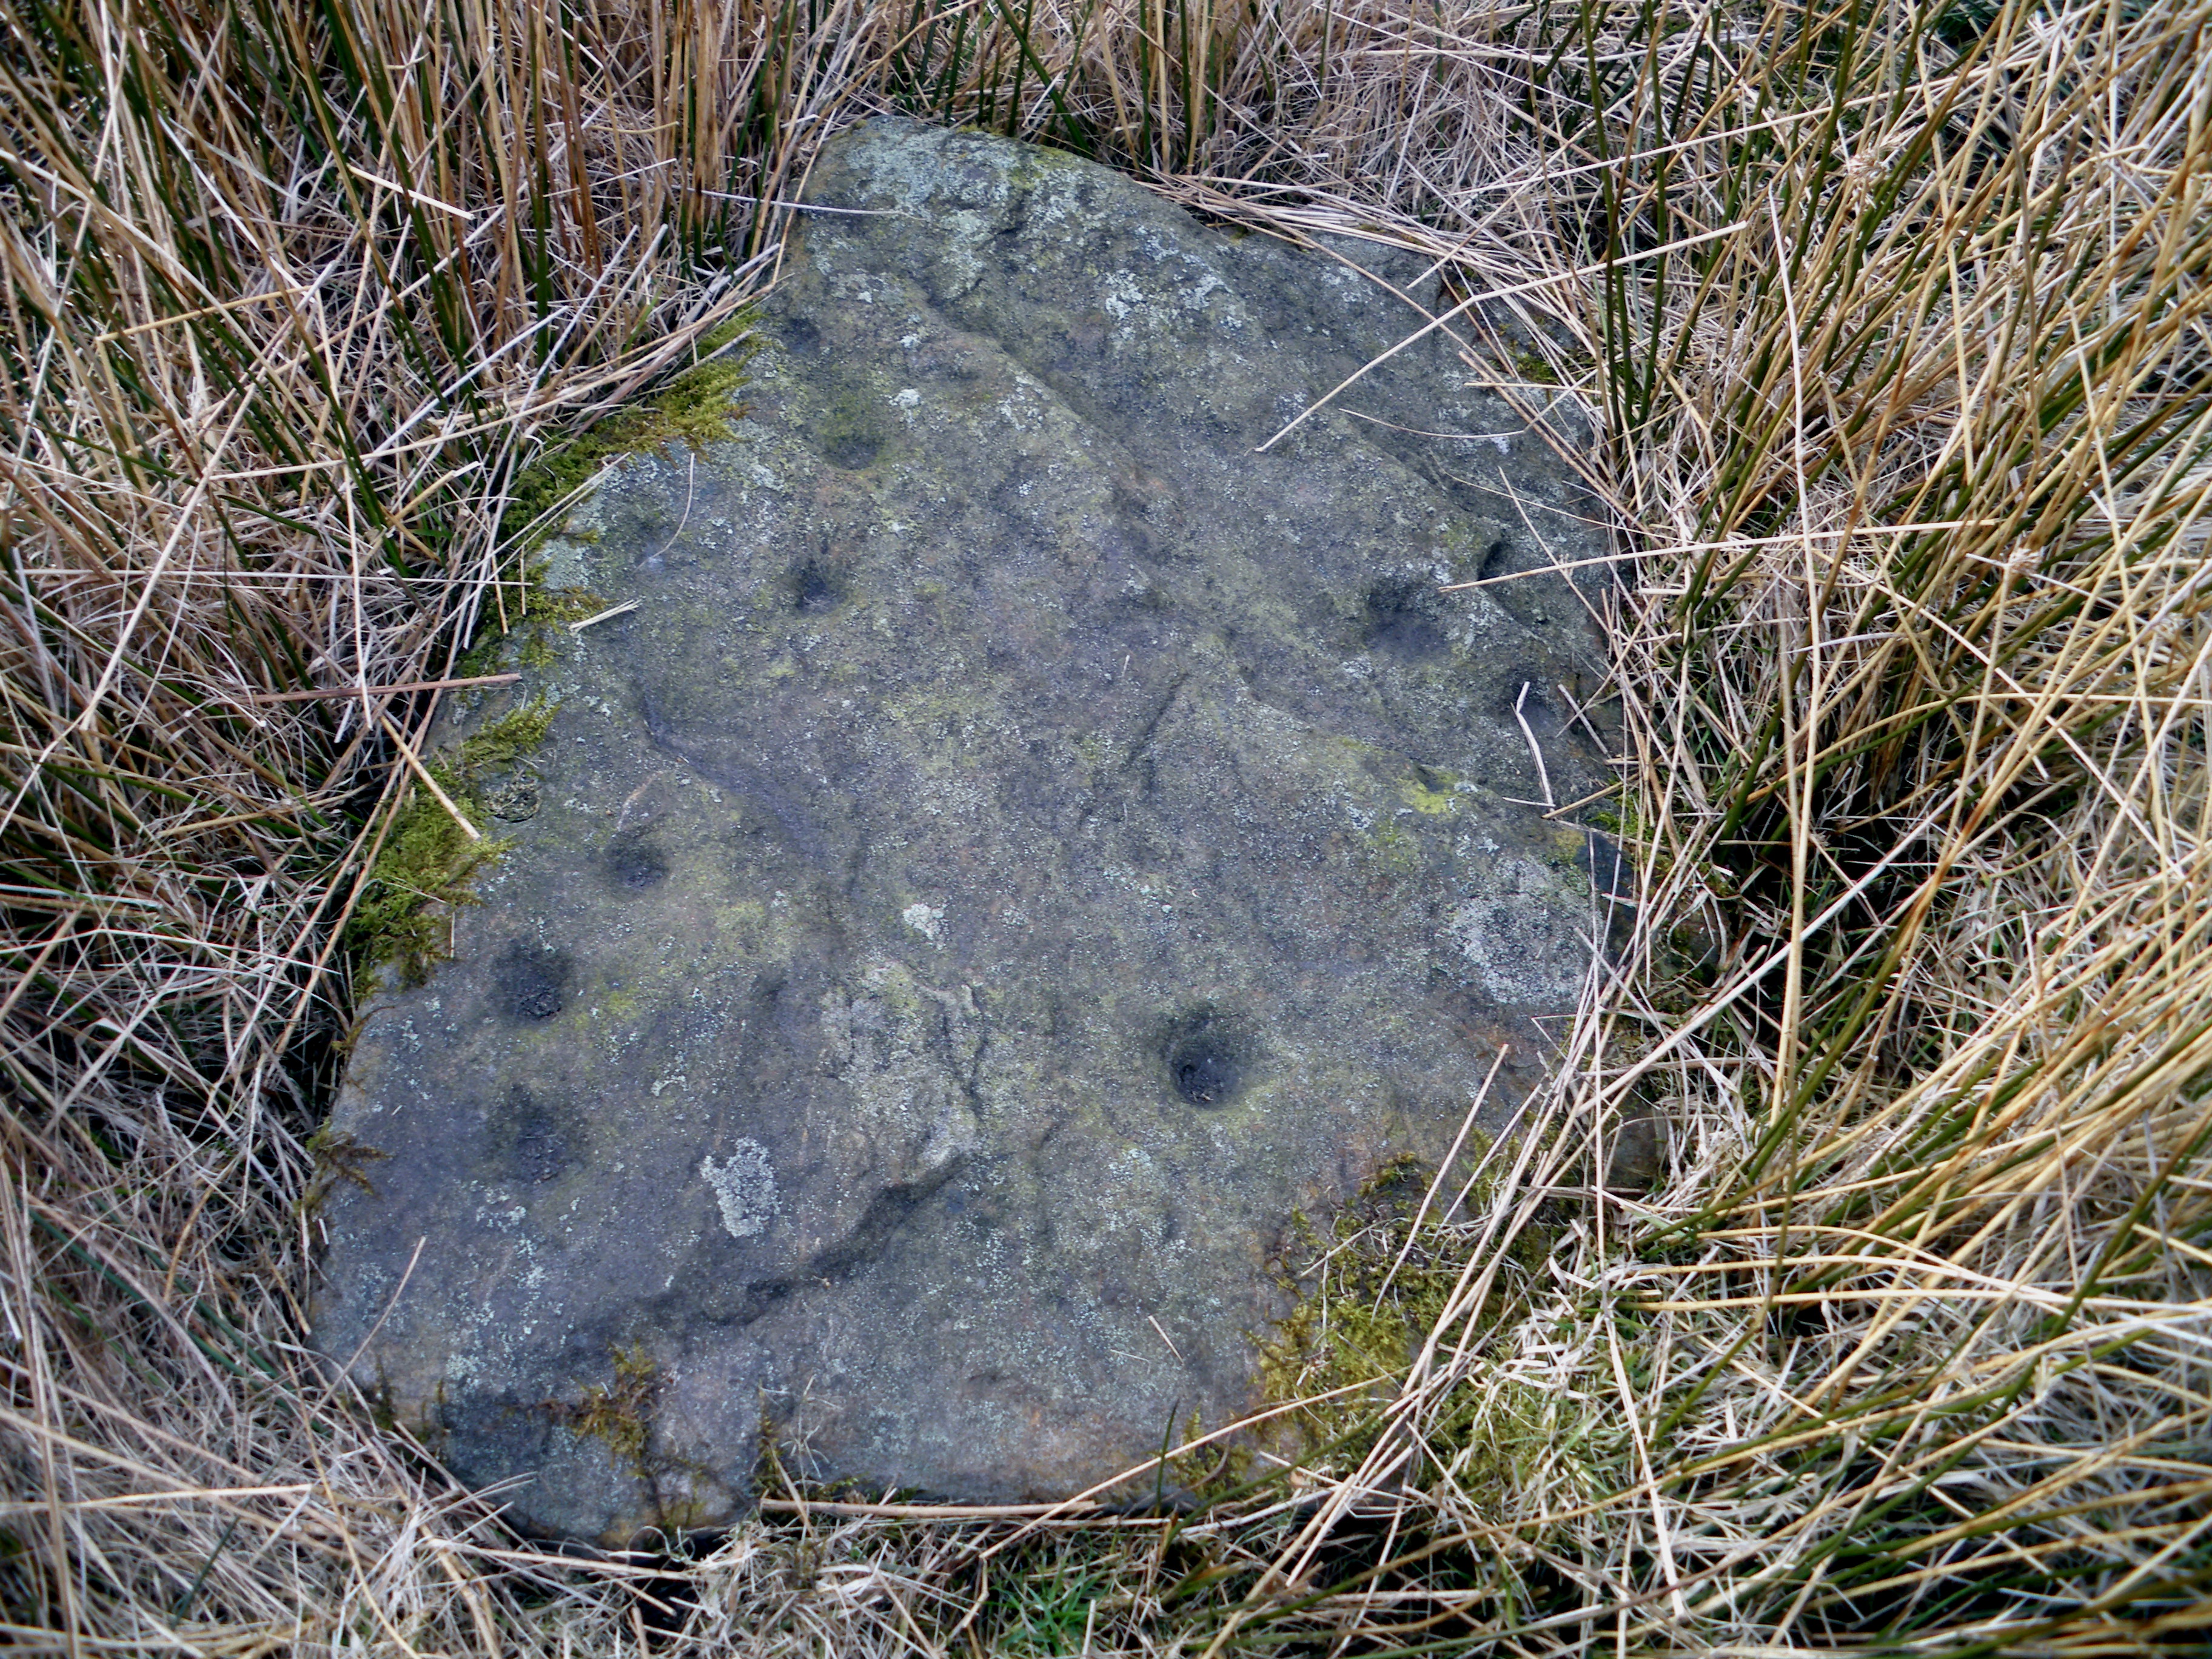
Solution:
(1891, 319)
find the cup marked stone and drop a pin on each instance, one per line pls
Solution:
(1103, 850)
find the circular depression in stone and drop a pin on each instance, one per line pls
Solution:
(1205, 1059)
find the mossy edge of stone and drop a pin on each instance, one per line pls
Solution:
(697, 407)
(619, 1414)
(335, 1157)
(624, 527)
(428, 865)
(1360, 1333)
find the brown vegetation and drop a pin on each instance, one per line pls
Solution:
(1892, 318)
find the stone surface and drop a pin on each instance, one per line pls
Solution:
(1022, 847)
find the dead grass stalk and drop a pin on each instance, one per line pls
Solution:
(1892, 315)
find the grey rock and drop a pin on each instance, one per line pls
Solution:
(1637, 1161)
(1023, 847)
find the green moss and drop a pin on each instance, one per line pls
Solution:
(1502, 1438)
(849, 430)
(1347, 1330)
(338, 1156)
(697, 408)
(619, 1414)
(557, 607)
(506, 742)
(1212, 1474)
(548, 609)
(428, 863)
(1358, 1324)
(1530, 366)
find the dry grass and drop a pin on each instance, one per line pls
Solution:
(1923, 445)
(1894, 316)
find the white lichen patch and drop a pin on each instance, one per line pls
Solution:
(926, 919)
(908, 1053)
(1119, 294)
(744, 1187)
(1523, 933)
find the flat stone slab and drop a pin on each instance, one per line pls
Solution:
(1022, 847)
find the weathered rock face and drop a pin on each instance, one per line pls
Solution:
(1022, 848)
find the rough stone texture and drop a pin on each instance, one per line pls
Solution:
(1022, 847)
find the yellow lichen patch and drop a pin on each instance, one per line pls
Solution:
(1390, 851)
(1435, 802)
(744, 922)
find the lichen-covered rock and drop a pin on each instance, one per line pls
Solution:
(1023, 847)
